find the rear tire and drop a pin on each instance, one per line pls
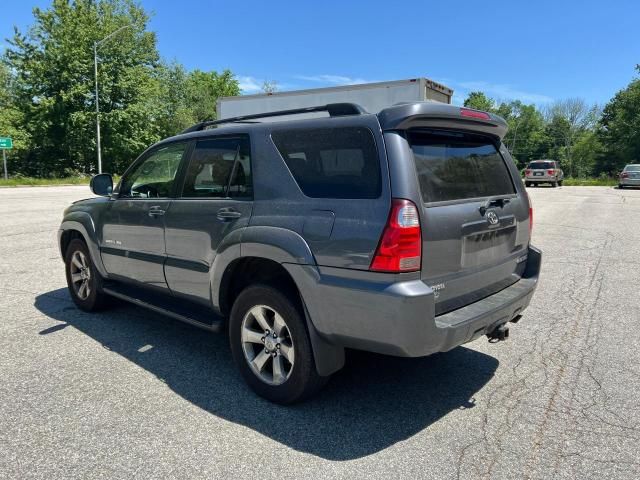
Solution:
(620, 186)
(560, 182)
(527, 184)
(264, 324)
(83, 279)
(554, 184)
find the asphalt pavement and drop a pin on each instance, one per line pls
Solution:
(130, 394)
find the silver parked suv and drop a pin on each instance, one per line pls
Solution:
(543, 171)
(404, 233)
(630, 176)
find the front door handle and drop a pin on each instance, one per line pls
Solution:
(226, 214)
(156, 212)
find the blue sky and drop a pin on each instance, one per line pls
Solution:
(535, 51)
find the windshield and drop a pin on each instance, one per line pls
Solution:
(540, 165)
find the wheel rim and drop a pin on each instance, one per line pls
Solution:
(267, 345)
(80, 275)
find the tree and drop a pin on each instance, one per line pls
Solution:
(53, 62)
(269, 86)
(619, 130)
(11, 119)
(203, 90)
(479, 101)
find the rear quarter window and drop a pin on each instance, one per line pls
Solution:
(332, 162)
(458, 166)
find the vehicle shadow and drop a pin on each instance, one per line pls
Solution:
(373, 403)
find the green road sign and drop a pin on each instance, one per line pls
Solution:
(6, 143)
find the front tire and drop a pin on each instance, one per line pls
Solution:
(83, 279)
(271, 346)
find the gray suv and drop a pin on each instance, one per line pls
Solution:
(404, 233)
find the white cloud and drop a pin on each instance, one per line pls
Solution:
(249, 84)
(499, 91)
(333, 79)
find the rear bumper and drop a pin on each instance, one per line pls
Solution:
(541, 179)
(630, 182)
(398, 318)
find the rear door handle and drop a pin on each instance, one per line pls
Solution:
(228, 213)
(156, 211)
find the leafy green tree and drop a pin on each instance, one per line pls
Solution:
(619, 130)
(203, 90)
(479, 101)
(54, 79)
(11, 118)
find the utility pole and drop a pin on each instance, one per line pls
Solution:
(95, 73)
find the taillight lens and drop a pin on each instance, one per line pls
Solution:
(551, 172)
(465, 112)
(624, 175)
(527, 172)
(530, 214)
(400, 247)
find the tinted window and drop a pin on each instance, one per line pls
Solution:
(219, 168)
(332, 162)
(153, 177)
(632, 168)
(457, 166)
(541, 165)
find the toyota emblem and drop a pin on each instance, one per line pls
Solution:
(492, 217)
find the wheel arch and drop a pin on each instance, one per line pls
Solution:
(80, 225)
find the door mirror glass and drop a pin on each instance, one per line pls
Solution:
(102, 184)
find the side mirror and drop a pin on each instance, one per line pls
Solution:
(102, 184)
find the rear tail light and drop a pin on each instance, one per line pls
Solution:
(465, 112)
(527, 172)
(400, 247)
(530, 214)
(551, 172)
(624, 175)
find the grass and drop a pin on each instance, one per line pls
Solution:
(590, 182)
(31, 181)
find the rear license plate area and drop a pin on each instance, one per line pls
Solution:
(487, 247)
(538, 174)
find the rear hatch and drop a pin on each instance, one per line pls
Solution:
(474, 214)
(540, 169)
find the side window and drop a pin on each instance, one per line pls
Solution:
(219, 168)
(332, 162)
(154, 176)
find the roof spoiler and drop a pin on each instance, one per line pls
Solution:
(432, 114)
(334, 110)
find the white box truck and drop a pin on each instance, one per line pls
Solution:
(373, 97)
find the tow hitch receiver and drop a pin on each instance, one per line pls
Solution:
(501, 332)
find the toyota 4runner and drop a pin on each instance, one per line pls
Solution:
(404, 233)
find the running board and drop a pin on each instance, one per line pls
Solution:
(165, 304)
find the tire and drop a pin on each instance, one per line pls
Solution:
(560, 182)
(620, 186)
(527, 184)
(298, 378)
(554, 184)
(78, 263)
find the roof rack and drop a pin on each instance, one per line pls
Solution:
(334, 110)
